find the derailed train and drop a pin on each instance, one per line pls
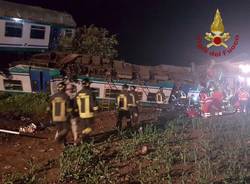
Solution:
(32, 29)
(32, 79)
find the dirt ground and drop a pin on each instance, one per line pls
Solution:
(19, 153)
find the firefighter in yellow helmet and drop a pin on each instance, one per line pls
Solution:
(86, 105)
(60, 110)
(133, 105)
(123, 101)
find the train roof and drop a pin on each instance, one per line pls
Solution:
(25, 69)
(37, 14)
(21, 69)
(165, 84)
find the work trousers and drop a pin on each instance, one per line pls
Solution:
(78, 126)
(243, 105)
(123, 114)
(62, 131)
(134, 114)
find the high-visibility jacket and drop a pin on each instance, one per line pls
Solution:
(160, 97)
(218, 100)
(86, 103)
(218, 96)
(133, 99)
(123, 100)
(60, 107)
(243, 95)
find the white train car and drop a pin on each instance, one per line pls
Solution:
(105, 90)
(31, 79)
(28, 79)
(28, 28)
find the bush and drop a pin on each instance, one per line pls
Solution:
(25, 104)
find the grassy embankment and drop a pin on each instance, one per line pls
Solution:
(198, 151)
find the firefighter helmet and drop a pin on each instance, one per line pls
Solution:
(125, 86)
(86, 82)
(132, 87)
(61, 86)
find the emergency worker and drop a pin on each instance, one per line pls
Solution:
(123, 100)
(160, 96)
(205, 103)
(243, 97)
(71, 90)
(133, 106)
(86, 105)
(217, 96)
(60, 110)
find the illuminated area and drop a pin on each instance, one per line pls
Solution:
(244, 68)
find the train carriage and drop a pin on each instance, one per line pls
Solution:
(32, 29)
(33, 79)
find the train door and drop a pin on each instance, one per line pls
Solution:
(54, 37)
(40, 81)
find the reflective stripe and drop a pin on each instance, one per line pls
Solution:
(87, 130)
(58, 109)
(133, 104)
(159, 98)
(122, 102)
(83, 103)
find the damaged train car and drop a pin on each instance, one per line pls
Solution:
(32, 29)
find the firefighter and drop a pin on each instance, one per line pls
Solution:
(71, 90)
(123, 100)
(86, 105)
(160, 96)
(60, 112)
(243, 97)
(218, 97)
(205, 103)
(133, 106)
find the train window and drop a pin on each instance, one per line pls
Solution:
(68, 33)
(151, 97)
(37, 32)
(13, 29)
(96, 91)
(112, 93)
(13, 85)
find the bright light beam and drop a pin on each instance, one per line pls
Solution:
(244, 68)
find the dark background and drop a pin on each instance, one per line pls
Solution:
(154, 32)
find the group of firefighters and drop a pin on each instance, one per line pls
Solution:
(75, 111)
(214, 100)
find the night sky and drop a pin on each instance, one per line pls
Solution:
(154, 32)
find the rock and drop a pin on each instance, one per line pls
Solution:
(144, 150)
(51, 149)
(42, 150)
(7, 167)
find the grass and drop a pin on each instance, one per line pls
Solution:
(23, 104)
(201, 151)
(31, 176)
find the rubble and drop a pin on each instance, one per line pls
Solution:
(95, 66)
(31, 128)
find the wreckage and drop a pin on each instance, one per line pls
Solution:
(43, 71)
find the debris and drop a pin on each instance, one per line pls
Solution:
(21, 133)
(28, 129)
(144, 150)
(51, 149)
(7, 167)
